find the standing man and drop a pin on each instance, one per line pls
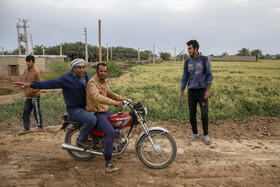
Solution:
(198, 74)
(73, 86)
(32, 97)
(99, 96)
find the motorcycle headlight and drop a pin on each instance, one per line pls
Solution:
(143, 111)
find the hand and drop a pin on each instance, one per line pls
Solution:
(206, 95)
(21, 85)
(119, 104)
(182, 95)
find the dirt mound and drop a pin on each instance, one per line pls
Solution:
(244, 152)
(7, 87)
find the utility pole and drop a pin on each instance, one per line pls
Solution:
(25, 36)
(138, 55)
(174, 54)
(100, 48)
(107, 53)
(60, 50)
(154, 58)
(43, 49)
(19, 50)
(86, 45)
(111, 54)
(31, 44)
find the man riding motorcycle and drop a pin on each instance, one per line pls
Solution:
(73, 85)
(99, 96)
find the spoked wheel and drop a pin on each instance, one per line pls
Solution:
(161, 154)
(70, 138)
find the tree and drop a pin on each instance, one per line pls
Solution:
(225, 54)
(278, 56)
(256, 52)
(165, 56)
(243, 52)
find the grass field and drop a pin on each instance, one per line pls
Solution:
(239, 90)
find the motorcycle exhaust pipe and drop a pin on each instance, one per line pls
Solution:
(80, 149)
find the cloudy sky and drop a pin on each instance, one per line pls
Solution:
(218, 25)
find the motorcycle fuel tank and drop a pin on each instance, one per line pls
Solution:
(121, 120)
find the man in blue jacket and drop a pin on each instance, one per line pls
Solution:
(198, 74)
(73, 85)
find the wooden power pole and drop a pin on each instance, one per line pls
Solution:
(100, 48)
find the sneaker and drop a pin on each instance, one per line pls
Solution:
(110, 168)
(84, 144)
(23, 131)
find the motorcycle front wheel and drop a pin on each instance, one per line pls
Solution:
(70, 138)
(161, 154)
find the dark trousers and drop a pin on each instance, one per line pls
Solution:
(197, 96)
(30, 104)
(104, 124)
(87, 118)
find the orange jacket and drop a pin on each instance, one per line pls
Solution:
(99, 95)
(29, 76)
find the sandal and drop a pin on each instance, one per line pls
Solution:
(193, 136)
(207, 140)
(23, 131)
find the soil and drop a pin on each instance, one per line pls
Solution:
(244, 152)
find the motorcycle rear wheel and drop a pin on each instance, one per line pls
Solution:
(70, 138)
(160, 158)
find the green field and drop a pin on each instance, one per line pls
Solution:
(239, 89)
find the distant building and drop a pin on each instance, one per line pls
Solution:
(16, 64)
(235, 58)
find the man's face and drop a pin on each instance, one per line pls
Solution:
(30, 64)
(191, 50)
(102, 72)
(79, 71)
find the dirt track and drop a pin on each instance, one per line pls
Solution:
(244, 152)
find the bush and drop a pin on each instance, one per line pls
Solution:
(57, 69)
(114, 69)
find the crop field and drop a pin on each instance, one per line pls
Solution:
(239, 89)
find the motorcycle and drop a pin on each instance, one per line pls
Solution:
(154, 146)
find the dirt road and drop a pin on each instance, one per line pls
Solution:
(244, 152)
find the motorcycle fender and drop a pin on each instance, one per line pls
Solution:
(150, 129)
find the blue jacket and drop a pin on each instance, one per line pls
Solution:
(197, 73)
(73, 90)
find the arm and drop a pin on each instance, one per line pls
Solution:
(184, 80)
(37, 78)
(209, 79)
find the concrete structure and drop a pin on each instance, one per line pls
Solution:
(16, 64)
(235, 58)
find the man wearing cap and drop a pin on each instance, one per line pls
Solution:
(73, 85)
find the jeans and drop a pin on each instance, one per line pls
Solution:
(88, 120)
(197, 96)
(30, 104)
(104, 124)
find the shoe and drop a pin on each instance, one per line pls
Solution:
(37, 129)
(110, 168)
(85, 144)
(207, 140)
(23, 131)
(193, 136)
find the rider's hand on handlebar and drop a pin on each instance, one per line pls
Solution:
(119, 104)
